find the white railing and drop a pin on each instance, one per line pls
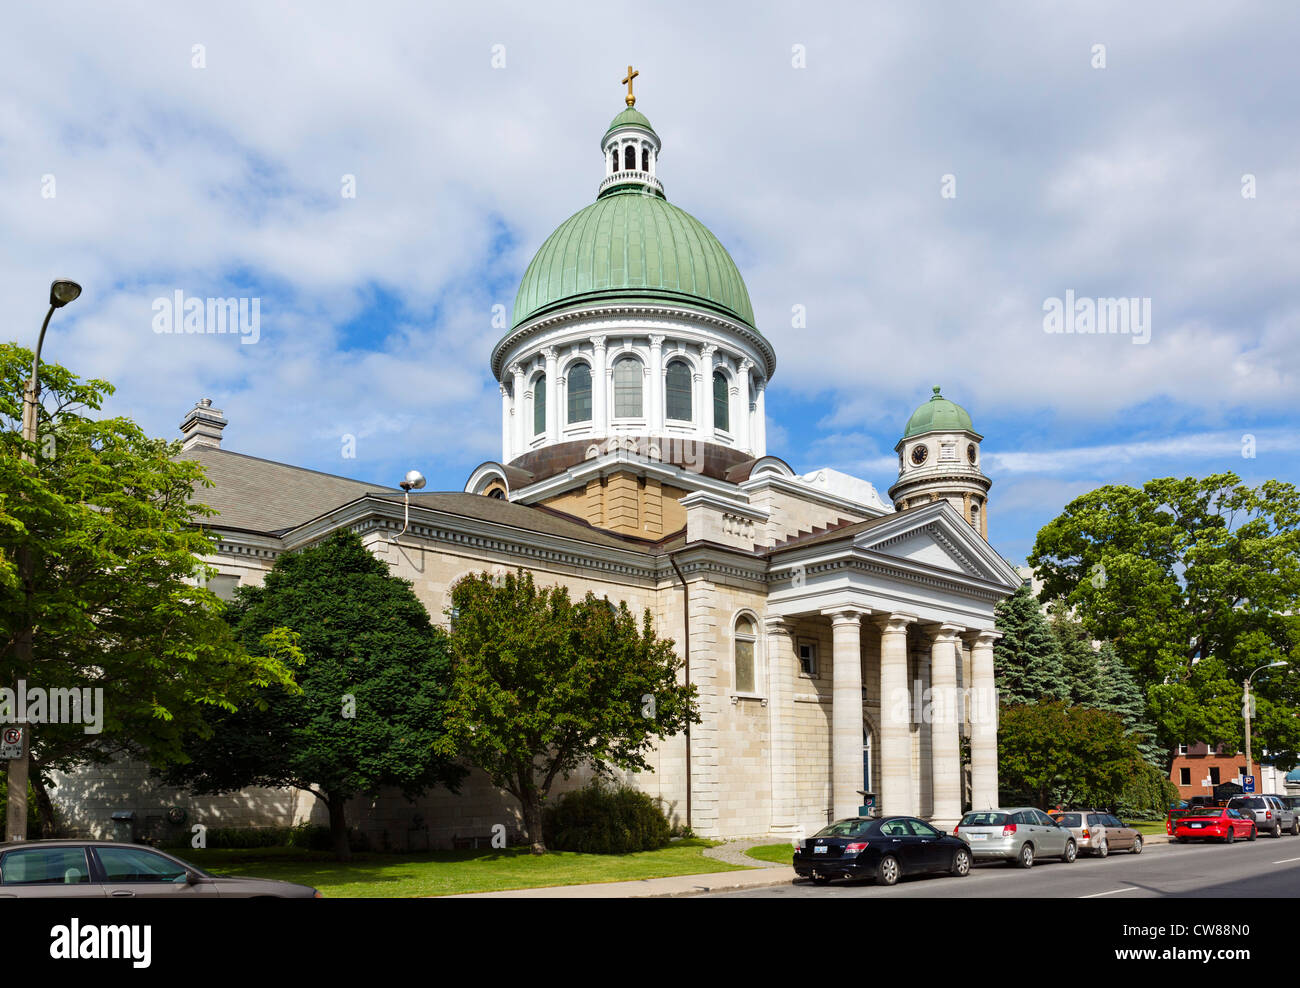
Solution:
(620, 177)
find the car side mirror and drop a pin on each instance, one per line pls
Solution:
(192, 877)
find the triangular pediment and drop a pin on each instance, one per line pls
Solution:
(937, 536)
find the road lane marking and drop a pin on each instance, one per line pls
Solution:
(1131, 888)
(1286, 860)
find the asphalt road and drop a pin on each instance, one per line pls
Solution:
(1265, 868)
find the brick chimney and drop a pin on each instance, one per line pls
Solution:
(203, 426)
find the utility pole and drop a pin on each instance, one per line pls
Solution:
(1245, 712)
(61, 293)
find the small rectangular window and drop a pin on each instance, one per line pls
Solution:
(1184, 776)
(808, 658)
(1214, 775)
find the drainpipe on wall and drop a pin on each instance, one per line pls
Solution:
(686, 654)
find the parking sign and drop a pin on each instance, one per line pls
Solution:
(11, 743)
(1248, 784)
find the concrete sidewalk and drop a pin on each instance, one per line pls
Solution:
(677, 885)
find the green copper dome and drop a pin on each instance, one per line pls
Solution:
(938, 415)
(631, 117)
(632, 245)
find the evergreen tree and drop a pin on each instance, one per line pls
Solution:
(1027, 658)
(1120, 694)
(1082, 666)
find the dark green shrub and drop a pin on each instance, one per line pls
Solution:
(305, 836)
(603, 819)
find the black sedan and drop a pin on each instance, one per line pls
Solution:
(884, 849)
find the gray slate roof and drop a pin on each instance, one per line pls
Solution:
(258, 495)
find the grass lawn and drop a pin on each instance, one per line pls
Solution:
(780, 853)
(450, 872)
(1147, 826)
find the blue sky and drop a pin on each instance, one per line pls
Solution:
(813, 139)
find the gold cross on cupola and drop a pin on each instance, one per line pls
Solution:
(631, 100)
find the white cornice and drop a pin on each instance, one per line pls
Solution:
(691, 317)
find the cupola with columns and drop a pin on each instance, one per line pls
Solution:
(939, 457)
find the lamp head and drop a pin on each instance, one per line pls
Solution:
(62, 292)
(414, 481)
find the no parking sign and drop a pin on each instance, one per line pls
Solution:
(11, 742)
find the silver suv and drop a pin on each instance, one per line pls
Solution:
(1271, 815)
(1019, 834)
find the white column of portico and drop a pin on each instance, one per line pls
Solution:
(945, 723)
(506, 423)
(743, 439)
(655, 397)
(598, 385)
(983, 722)
(517, 427)
(760, 418)
(552, 397)
(895, 741)
(780, 708)
(923, 782)
(846, 709)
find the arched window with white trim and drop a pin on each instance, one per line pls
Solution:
(539, 405)
(579, 385)
(677, 391)
(721, 402)
(627, 388)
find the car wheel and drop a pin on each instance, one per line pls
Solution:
(961, 862)
(1232, 835)
(1295, 827)
(1137, 845)
(1103, 849)
(1071, 851)
(1254, 832)
(1277, 830)
(1026, 857)
(887, 871)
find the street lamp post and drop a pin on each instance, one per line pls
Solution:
(1245, 710)
(61, 293)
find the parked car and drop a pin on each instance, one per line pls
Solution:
(1213, 823)
(1019, 834)
(71, 869)
(1099, 833)
(885, 849)
(1291, 803)
(1270, 814)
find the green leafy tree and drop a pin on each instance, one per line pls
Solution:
(372, 700)
(1050, 753)
(1196, 582)
(544, 686)
(1027, 658)
(106, 514)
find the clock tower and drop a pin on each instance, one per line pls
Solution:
(939, 457)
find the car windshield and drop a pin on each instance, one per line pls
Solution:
(847, 828)
(984, 820)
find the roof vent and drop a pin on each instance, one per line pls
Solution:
(203, 426)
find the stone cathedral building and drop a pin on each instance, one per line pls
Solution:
(836, 638)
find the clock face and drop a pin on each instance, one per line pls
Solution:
(970, 452)
(919, 452)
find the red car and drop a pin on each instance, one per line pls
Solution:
(1211, 823)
